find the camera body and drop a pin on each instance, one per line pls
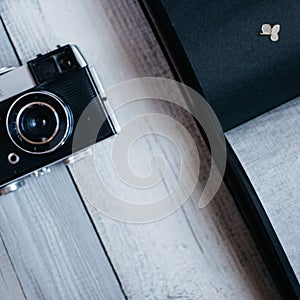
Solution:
(40, 106)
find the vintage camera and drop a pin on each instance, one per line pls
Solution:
(40, 106)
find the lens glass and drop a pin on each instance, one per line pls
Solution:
(38, 123)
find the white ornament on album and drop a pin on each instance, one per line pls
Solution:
(273, 32)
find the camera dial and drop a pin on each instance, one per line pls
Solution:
(39, 122)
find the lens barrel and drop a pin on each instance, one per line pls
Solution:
(39, 122)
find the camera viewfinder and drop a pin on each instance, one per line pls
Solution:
(46, 69)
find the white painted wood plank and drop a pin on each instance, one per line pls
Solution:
(268, 148)
(162, 259)
(7, 57)
(52, 244)
(10, 287)
(47, 233)
(191, 254)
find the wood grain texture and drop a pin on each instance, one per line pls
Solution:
(191, 254)
(52, 246)
(10, 286)
(268, 148)
(7, 58)
(52, 260)
(172, 258)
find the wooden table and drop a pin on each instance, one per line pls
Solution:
(56, 245)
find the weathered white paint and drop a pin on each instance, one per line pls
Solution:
(191, 254)
(49, 248)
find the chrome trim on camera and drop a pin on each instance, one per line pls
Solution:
(98, 83)
(13, 158)
(18, 123)
(68, 127)
(11, 187)
(104, 102)
(79, 57)
(41, 172)
(112, 116)
(5, 70)
(14, 81)
(78, 156)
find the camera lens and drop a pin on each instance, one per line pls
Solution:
(39, 122)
